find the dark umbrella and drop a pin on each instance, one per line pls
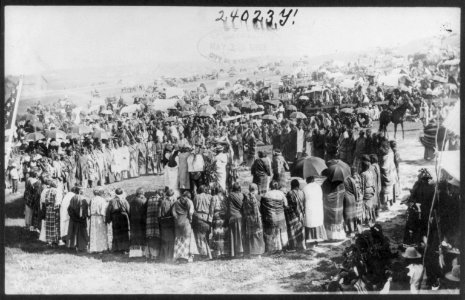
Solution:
(337, 170)
(313, 166)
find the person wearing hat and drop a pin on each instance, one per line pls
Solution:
(183, 171)
(413, 261)
(117, 214)
(360, 149)
(453, 277)
(78, 211)
(388, 173)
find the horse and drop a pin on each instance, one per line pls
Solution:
(397, 116)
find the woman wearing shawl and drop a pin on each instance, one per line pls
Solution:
(368, 192)
(138, 219)
(235, 222)
(377, 178)
(29, 199)
(152, 229)
(201, 221)
(253, 243)
(396, 155)
(78, 211)
(167, 234)
(274, 221)
(219, 239)
(118, 215)
(64, 216)
(280, 167)
(260, 172)
(98, 227)
(184, 244)
(172, 170)
(353, 204)
(221, 161)
(388, 173)
(51, 212)
(38, 188)
(295, 216)
(314, 211)
(333, 202)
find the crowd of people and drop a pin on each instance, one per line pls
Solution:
(203, 212)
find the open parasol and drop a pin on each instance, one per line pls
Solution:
(170, 119)
(362, 110)
(187, 113)
(291, 108)
(337, 170)
(298, 115)
(222, 107)
(205, 115)
(107, 112)
(303, 97)
(55, 134)
(313, 166)
(235, 110)
(35, 136)
(207, 109)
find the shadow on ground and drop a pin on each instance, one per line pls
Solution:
(14, 209)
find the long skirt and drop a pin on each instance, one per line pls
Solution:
(275, 239)
(369, 213)
(77, 235)
(167, 238)
(153, 248)
(201, 232)
(236, 234)
(52, 224)
(296, 233)
(137, 251)
(254, 243)
(316, 234)
(219, 241)
(28, 216)
(262, 183)
(335, 231)
(353, 225)
(387, 194)
(120, 240)
(98, 234)
(185, 247)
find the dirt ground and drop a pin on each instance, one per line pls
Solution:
(32, 268)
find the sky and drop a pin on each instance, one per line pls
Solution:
(44, 38)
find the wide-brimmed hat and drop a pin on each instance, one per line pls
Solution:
(411, 253)
(454, 274)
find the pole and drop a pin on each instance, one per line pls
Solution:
(9, 143)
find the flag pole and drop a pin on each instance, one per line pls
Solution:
(9, 143)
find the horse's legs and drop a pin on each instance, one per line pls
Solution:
(395, 130)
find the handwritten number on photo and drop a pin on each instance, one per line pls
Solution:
(222, 17)
(285, 16)
(245, 16)
(269, 20)
(234, 16)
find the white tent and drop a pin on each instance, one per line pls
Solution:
(389, 80)
(450, 162)
(452, 122)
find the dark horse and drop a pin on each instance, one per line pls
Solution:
(397, 116)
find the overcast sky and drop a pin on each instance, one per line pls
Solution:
(39, 39)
